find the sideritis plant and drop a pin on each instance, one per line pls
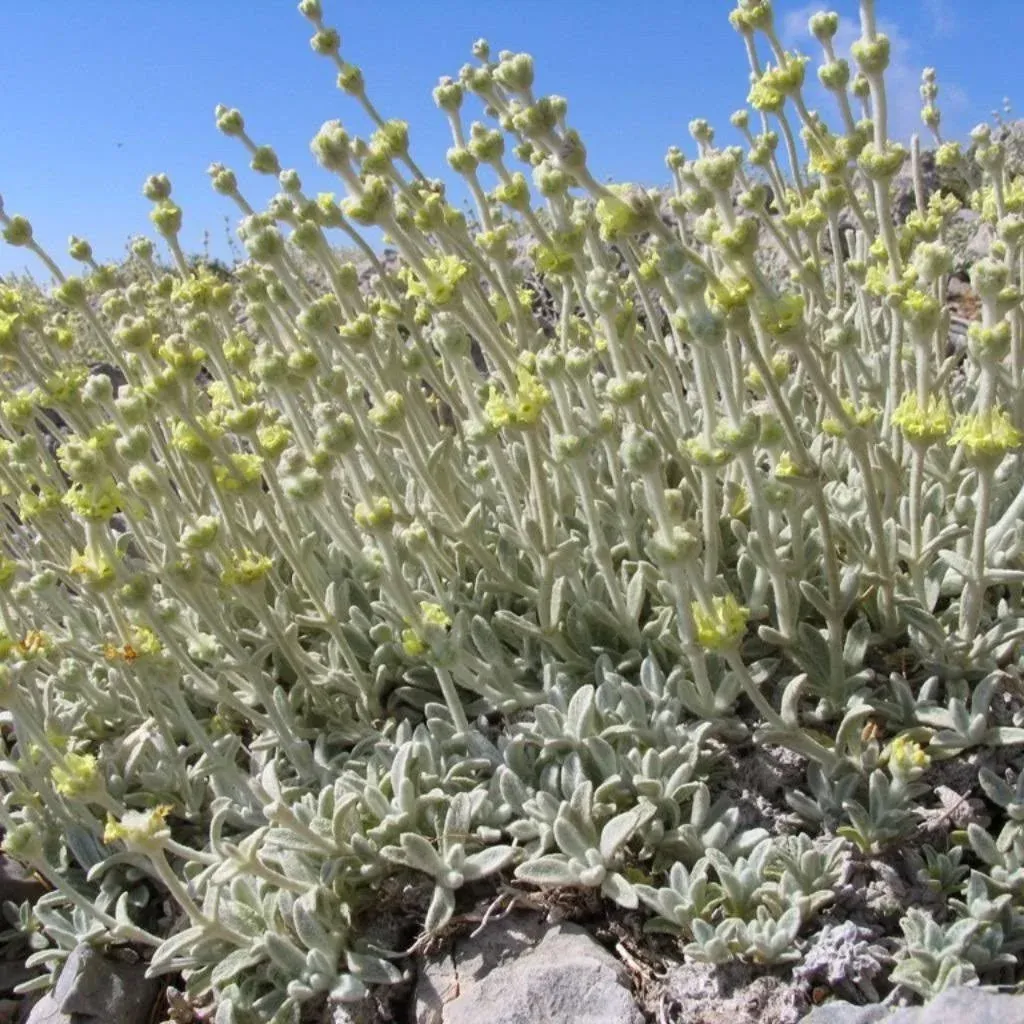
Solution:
(512, 563)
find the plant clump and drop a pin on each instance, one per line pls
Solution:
(573, 551)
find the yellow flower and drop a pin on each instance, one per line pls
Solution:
(35, 644)
(77, 777)
(433, 619)
(244, 471)
(615, 216)
(412, 643)
(782, 316)
(987, 437)
(923, 425)
(24, 843)
(434, 615)
(906, 757)
(525, 406)
(92, 568)
(137, 828)
(274, 439)
(96, 502)
(921, 310)
(721, 627)
(864, 417)
(247, 567)
(444, 274)
(380, 517)
(729, 293)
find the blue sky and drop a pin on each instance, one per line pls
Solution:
(97, 94)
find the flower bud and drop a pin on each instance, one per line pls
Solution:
(640, 452)
(264, 161)
(515, 72)
(835, 75)
(166, 218)
(79, 249)
(350, 80)
(448, 95)
(18, 231)
(332, 146)
(824, 25)
(872, 55)
(157, 187)
(326, 42)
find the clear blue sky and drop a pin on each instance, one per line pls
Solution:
(97, 94)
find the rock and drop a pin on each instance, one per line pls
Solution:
(14, 973)
(733, 993)
(364, 1012)
(16, 884)
(904, 200)
(980, 242)
(96, 989)
(518, 971)
(958, 287)
(958, 1005)
(47, 1011)
(840, 1012)
(954, 1006)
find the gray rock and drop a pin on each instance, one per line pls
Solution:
(960, 1005)
(733, 993)
(904, 198)
(965, 1005)
(518, 971)
(980, 242)
(13, 973)
(16, 884)
(47, 1011)
(840, 1012)
(96, 989)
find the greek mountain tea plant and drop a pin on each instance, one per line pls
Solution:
(656, 544)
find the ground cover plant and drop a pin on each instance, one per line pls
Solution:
(579, 549)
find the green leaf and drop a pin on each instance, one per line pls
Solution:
(616, 888)
(234, 964)
(635, 594)
(617, 832)
(285, 954)
(415, 852)
(548, 871)
(487, 862)
(442, 906)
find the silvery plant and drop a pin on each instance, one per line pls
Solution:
(341, 598)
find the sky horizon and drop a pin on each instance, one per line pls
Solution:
(98, 96)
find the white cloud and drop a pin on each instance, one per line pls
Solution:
(902, 78)
(940, 15)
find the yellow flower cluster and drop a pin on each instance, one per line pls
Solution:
(987, 437)
(525, 406)
(923, 424)
(721, 627)
(906, 757)
(137, 828)
(77, 776)
(245, 568)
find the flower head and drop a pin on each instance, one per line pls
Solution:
(78, 776)
(923, 424)
(138, 828)
(987, 437)
(720, 627)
